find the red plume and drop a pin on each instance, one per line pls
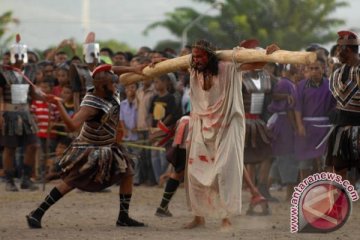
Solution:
(18, 38)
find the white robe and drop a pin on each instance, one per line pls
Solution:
(216, 143)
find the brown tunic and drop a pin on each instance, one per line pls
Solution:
(257, 138)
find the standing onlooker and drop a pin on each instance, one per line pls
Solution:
(314, 103)
(162, 108)
(67, 96)
(128, 117)
(282, 126)
(143, 99)
(54, 169)
(120, 59)
(45, 115)
(57, 55)
(62, 76)
(60, 58)
(333, 60)
(106, 55)
(48, 68)
(144, 51)
(68, 100)
(6, 58)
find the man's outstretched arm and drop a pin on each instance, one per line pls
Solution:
(259, 65)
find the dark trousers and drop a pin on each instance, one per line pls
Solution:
(146, 171)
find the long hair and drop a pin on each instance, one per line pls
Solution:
(213, 63)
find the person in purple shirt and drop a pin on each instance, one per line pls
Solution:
(313, 104)
(282, 126)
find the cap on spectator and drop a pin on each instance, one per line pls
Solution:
(249, 43)
(348, 38)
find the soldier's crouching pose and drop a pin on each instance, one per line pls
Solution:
(94, 160)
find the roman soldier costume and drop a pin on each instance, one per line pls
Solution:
(95, 160)
(344, 142)
(256, 87)
(19, 127)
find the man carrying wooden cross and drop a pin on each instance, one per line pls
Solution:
(216, 138)
(217, 124)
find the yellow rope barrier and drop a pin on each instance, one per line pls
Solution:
(129, 144)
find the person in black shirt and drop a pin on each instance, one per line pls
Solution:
(162, 109)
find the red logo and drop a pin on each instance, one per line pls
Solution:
(325, 207)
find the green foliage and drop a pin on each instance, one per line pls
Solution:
(116, 45)
(292, 24)
(112, 44)
(6, 19)
(160, 46)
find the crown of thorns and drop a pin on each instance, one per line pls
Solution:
(208, 49)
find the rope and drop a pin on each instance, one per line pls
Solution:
(134, 145)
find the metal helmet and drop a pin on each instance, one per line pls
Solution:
(18, 51)
(91, 52)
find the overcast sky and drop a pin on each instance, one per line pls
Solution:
(47, 22)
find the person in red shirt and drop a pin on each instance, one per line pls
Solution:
(45, 115)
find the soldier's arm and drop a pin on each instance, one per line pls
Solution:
(36, 93)
(74, 123)
(125, 69)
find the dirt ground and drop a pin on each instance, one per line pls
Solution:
(81, 215)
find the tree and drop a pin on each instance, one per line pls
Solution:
(112, 44)
(162, 45)
(6, 19)
(292, 24)
(116, 45)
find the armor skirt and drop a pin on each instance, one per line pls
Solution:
(344, 148)
(19, 129)
(92, 167)
(18, 123)
(257, 142)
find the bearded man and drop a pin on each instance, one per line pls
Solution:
(216, 135)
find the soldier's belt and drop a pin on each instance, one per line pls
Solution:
(8, 107)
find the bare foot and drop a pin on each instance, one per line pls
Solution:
(225, 224)
(196, 222)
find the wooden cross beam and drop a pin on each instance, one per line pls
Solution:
(241, 55)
